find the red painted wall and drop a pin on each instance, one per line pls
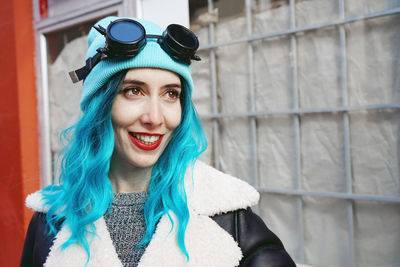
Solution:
(19, 163)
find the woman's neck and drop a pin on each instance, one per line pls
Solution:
(126, 178)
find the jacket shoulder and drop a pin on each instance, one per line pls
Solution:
(259, 245)
(211, 191)
(37, 241)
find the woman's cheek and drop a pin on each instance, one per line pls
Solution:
(175, 117)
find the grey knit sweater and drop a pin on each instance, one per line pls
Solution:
(125, 222)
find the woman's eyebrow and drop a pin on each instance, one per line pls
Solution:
(137, 82)
(177, 85)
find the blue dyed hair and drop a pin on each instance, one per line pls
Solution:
(84, 193)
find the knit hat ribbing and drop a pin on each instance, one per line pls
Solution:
(152, 55)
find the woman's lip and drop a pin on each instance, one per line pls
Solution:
(144, 146)
(145, 133)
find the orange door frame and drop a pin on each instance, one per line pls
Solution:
(19, 156)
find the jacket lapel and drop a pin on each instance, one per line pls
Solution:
(102, 251)
(206, 242)
(209, 192)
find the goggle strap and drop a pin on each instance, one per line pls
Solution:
(77, 75)
(196, 57)
(154, 36)
(80, 74)
(100, 29)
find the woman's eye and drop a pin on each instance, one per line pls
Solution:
(131, 91)
(173, 94)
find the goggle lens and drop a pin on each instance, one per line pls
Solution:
(126, 31)
(183, 36)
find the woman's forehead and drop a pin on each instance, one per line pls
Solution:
(152, 75)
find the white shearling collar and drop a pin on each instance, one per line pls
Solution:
(210, 192)
(214, 192)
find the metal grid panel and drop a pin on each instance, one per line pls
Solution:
(296, 112)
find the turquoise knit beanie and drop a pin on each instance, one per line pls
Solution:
(152, 55)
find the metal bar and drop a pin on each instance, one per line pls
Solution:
(347, 196)
(296, 129)
(301, 111)
(346, 134)
(250, 81)
(393, 11)
(44, 118)
(215, 136)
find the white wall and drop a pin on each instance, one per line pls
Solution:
(164, 13)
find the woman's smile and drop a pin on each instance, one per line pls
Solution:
(146, 141)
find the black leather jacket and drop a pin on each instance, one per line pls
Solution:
(260, 246)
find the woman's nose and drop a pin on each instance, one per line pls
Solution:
(152, 116)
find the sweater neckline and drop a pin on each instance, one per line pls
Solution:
(130, 199)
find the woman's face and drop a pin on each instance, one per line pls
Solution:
(144, 115)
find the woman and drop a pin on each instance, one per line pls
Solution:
(131, 192)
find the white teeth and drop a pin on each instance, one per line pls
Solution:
(147, 139)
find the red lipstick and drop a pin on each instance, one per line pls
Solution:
(145, 146)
